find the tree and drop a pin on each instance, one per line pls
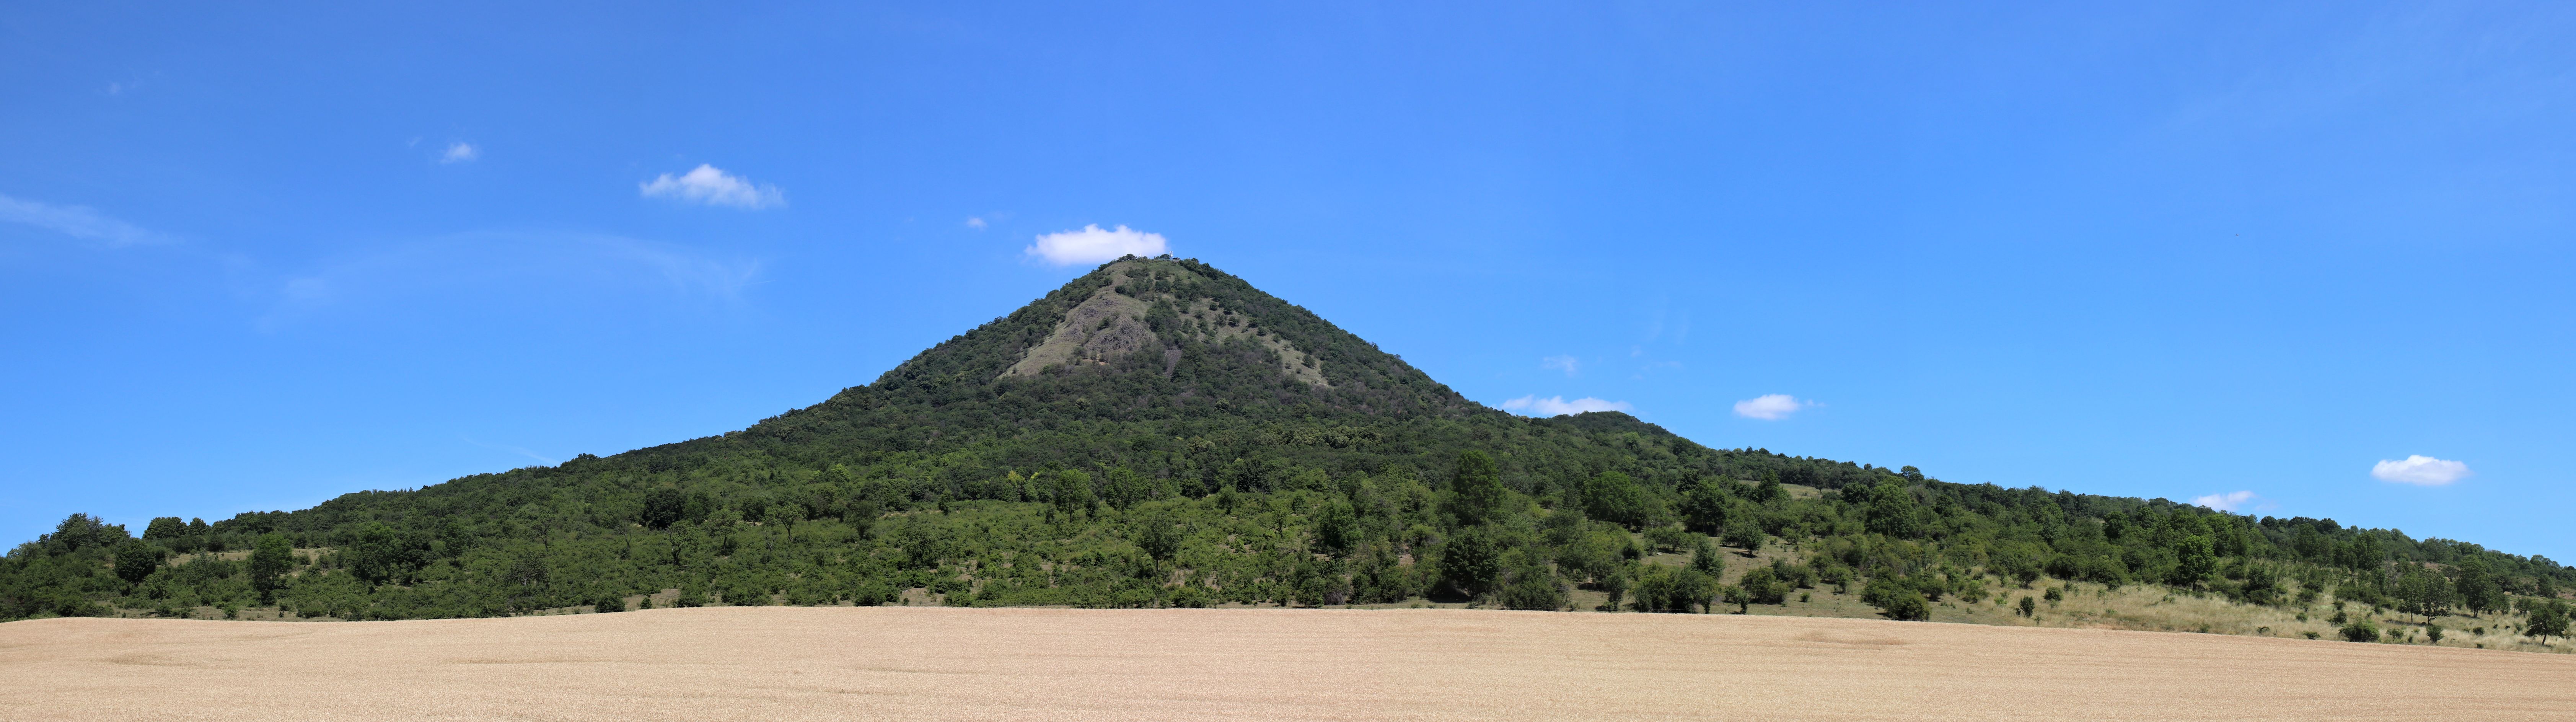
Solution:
(1763, 586)
(1891, 511)
(2546, 619)
(1337, 530)
(1533, 588)
(1470, 560)
(2027, 606)
(1614, 497)
(136, 560)
(1706, 559)
(2476, 588)
(2421, 592)
(380, 554)
(1769, 491)
(2198, 558)
(1158, 537)
(1896, 601)
(82, 531)
(1743, 533)
(1704, 507)
(1072, 492)
(663, 507)
(270, 559)
(1476, 492)
(165, 527)
(1665, 589)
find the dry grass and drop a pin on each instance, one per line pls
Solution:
(899, 662)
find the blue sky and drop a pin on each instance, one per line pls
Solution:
(255, 259)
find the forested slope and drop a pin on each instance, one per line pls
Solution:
(1160, 433)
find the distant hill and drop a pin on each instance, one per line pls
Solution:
(1160, 433)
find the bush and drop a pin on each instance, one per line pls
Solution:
(608, 603)
(1763, 586)
(1662, 589)
(1896, 600)
(1669, 539)
(2360, 631)
(1534, 589)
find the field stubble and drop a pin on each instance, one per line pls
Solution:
(944, 663)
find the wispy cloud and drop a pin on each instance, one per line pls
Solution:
(2420, 470)
(975, 223)
(1770, 407)
(512, 261)
(76, 221)
(461, 151)
(1090, 244)
(709, 185)
(1532, 405)
(1568, 363)
(2229, 501)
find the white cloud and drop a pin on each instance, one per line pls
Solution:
(1092, 245)
(460, 151)
(975, 223)
(1560, 362)
(1532, 405)
(2229, 501)
(77, 222)
(2420, 470)
(712, 186)
(1770, 407)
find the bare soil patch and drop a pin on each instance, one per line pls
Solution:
(1428, 664)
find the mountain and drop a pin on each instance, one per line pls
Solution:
(1161, 433)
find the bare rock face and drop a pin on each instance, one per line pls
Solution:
(1110, 324)
(1107, 325)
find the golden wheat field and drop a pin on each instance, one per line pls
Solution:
(772, 663)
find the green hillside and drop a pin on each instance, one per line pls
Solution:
(1160, 433)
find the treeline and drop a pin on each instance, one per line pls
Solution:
(507, 544)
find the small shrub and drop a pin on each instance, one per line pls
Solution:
(609, 603)
(2309, 634)
(2360, 631)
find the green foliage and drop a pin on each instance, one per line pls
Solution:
(1706, 559)
(1896, 600)
(1533, 588)
(1614, 497)
(1704, 507)
(165, 528)
(1763, 586)
(270, 559)
(378, 554)
(1476, 491)
(1470, 560)
(136, 560)
(1246, 451)
(2545, 619)
(1892, 511)
(2421, 591)
(1667, 589)
(2361, 630)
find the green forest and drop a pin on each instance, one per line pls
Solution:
(1201, 443)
